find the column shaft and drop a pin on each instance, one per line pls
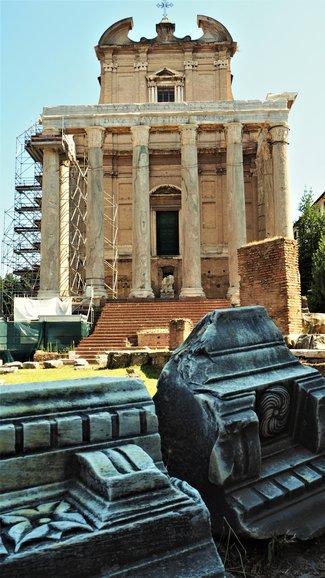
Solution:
(50, 227)
(191, 222)
(64, 229)
(141, 260)
(236, 206)
(95, 215)
(282, 198)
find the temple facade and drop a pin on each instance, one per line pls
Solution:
(193, 173)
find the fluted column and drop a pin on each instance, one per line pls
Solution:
(64, 228)
(236, 206)
(141, 260)
(50, 226)
(191, 225)
(95, 215)
(282, 198)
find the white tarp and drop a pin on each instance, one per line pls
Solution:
(26, 309)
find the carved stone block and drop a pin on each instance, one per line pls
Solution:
(244, 422)
(84, 491)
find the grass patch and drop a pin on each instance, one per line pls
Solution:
(68, 372)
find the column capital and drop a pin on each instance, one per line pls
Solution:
(188, 133)
(280, 133)
(96, 136)
(233, 132)
(140, 135)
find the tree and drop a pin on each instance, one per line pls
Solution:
(310, 227)
(316, 296)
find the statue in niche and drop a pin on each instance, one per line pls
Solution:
(167, 287)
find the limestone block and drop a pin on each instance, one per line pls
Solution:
(4, 370)
(244, 422)
(314, 322)
(119, 359)
(53, 363)
(96, 500)
(140, 358)
(17, 364)
(81, 362)
(101, 360)
(31, 365)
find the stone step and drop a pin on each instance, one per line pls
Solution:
(120, 321)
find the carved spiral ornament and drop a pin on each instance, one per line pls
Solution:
(274, 409)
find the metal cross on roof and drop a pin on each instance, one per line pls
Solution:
(164, 5)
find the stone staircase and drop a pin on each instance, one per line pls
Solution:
(117, 326)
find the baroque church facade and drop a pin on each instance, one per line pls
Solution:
(194, 174)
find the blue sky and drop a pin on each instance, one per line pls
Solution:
(48, 58)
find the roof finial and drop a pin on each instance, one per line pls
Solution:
(164, 5)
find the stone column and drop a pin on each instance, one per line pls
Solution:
(141, 260)
(95, 215)
(191, 222)
(282, 198)
(64, 228)
(236, 206)
(50, 227)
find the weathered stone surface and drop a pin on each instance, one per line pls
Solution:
(140, 358)
(17, 364)
(30, 365)
(80, 362)
(84, 490)
(53, 363)
(311, 341)
(244, 422)
(101, 360)
(4, 370)
(119, 359)
(314, 322)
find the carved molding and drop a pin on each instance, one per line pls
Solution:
(273, 411)
(190, 64)
(110, 67)
(140, 66)
(221, 64)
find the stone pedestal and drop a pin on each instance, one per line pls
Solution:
(179, 330)
(236, 206)
(191, 238)
(50, 245)
(95, 215)
(282, 200)
(141, 260)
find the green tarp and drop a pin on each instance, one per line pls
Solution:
(22, 339)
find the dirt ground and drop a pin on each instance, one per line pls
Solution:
(282, 557)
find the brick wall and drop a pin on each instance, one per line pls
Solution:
(269, 276)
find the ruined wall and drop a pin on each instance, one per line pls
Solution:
(269, 276)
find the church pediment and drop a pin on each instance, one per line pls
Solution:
(165, 73)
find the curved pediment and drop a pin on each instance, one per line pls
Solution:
(213, 31)
(117, 34)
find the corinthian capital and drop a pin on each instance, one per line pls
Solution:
(188, 134)
(280, 133)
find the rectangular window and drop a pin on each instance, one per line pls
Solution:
(166, 94)
(167, 233)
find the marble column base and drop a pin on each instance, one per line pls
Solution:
(95, 291)
(141, 294)
(191, 292)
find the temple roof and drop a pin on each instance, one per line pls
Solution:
(117, 34)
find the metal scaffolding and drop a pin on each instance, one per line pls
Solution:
(20, 254)
(22, 230)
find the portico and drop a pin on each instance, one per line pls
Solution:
(226, 159)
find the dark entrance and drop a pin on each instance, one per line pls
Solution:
(167, 233)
